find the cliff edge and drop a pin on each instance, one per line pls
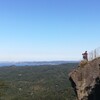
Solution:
(85, 80)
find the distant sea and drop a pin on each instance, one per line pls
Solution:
(36, 63)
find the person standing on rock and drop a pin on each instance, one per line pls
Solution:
(85, 55)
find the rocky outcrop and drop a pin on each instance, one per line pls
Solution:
(85, 80)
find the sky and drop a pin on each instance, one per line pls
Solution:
(47, 30)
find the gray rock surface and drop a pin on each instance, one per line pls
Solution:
(85, 80)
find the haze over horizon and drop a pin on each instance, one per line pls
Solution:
(47, 30)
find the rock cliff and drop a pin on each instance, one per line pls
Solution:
(85, 80)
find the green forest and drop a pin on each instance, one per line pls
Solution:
(49, 82)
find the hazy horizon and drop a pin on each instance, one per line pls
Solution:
(35, 60)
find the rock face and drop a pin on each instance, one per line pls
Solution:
(85, 80)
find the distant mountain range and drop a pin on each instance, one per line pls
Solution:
(36, 63)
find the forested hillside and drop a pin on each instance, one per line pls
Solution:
(49, 82)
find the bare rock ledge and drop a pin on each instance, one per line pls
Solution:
(85, 80)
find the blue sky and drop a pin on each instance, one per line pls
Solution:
(32, 30)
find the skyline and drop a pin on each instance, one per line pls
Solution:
(47, 30)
